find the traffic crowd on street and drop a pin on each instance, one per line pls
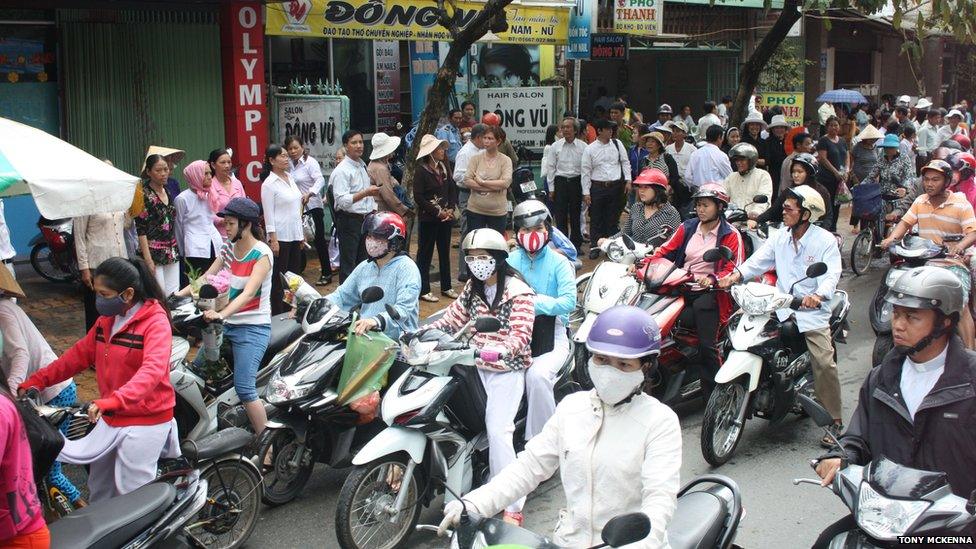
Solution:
(653, 260)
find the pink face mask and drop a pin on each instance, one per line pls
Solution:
(533, 241)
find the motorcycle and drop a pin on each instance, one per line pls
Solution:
(890, 501)
(768, 366)
(912, 251)
(53, 251)
(315, 391)
(752, 239)
(435, 413)
(703, 519)
(205, 397)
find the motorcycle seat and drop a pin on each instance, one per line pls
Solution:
(114, 522)
(220, 443)
(284, 330)
(697, 521)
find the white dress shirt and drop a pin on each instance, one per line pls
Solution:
(917, 379)
(710, 119)
(926, 138)
(565, 159)
(945, 132)
(468, 151)
(7, 250)
(791, 263)
(347, 179)
(604, 162)
(195, 229)
(307, 175)
(708, 165)
(282, 204)
(682, 157)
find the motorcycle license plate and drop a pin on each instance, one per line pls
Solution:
(528, 187)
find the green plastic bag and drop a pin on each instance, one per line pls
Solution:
(366, 364)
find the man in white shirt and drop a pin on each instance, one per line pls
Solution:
(680, 149)
(606, 174)
(7, 251)
(708, 164)
(722, 111)
(563, 168)
(928, 134)
(952, 128)
(709, 119)
(353, 194)
(470, 149)
(748, 181)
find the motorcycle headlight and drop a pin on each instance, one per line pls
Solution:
(615, 252)
(417, 352)
(884, 518)
(758, 304)
(280, 390)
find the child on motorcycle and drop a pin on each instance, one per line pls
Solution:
(704, 309)
(496, 289)
(130, 348)
(552, 278)
(617, 450)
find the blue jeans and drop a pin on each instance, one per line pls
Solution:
(66, 397)
(248, 343)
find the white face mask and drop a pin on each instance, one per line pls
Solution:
(376, 248)
(482, 269)
(613, 385)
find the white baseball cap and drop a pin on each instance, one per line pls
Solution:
(954, 112)
(923, 103)
(904, 100)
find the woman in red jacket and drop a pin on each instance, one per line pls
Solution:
(130, 346)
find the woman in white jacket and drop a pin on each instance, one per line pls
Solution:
(601, 441)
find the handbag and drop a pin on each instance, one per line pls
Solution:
(45, 441)
(843, 195)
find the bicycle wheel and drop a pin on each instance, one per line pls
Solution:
(862, 252)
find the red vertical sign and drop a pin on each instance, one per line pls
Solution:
(245, 112)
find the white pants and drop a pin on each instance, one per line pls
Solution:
(122, 459)
(504, 390)
(540, 379)
(168, 277)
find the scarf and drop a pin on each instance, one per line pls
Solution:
(194, 174)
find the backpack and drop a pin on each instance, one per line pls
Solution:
(45, 440)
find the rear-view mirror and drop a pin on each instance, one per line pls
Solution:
(487, 325)
(716, 254)
(817, 413)
(628, 242)
(626, 529)
(391, 310)
(760, 199)
(817, 269)
(372, 294)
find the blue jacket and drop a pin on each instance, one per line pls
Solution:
(552, 277)
(452, 135)
(400, 280)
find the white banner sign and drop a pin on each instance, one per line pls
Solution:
(525, 112)
(318, 121)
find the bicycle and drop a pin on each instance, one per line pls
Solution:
(875, 228)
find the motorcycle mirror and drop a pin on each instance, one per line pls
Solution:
(625, 529)
(628, 242)
(817, 269)
(715, 254)
(391, 310)
(971, 504)
(817, 413)
(760, 199)
(487, 325)
(372, 294)
(594, 253)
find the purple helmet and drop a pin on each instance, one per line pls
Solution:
(624, 331)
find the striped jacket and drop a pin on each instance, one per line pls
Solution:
(516, 312)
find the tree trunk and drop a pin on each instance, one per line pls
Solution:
(749, 76)
(491, 17)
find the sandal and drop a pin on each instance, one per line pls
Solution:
(836, 429)
(450, 293)
(514, 518)
(430, 298)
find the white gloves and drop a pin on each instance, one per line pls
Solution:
(452, 514)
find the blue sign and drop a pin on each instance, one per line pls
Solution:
(581, 26)
(424, 63)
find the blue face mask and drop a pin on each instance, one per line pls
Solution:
(110, 306)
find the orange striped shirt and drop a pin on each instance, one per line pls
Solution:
(952, 217)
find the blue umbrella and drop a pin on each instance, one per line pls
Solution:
(842, 96)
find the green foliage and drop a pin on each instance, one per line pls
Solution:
(784, 71)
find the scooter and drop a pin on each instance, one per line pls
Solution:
(314, 392)
(53, 251)
(768, 366)
(890, 501)
(703, 519)
(752, 239)
(435, 414)
(912, 251)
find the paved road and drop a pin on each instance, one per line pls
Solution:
(778, 514)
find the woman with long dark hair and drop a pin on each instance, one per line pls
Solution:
(435, 194)
(496, 289)
(130, 348)
(225, 185)
(156, 226)
(282, 202)
(307, 174)
(834, 159)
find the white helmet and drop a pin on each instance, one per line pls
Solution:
(809, 199)
(530, 213)
(485, 239)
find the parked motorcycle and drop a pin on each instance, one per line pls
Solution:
(912, 251)
(53, 251)
(889, 500)
(314, 391)
(769, 364)
(435, 414)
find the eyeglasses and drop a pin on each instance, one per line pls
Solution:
(473, 258)
(790, 209)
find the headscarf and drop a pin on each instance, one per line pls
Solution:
(194, 174)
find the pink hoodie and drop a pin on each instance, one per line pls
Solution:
(20, 511)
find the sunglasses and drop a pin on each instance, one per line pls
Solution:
(473, 258)
(790, 209)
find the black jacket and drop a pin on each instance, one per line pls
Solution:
(943, 435)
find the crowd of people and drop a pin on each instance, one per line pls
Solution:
(668, 183)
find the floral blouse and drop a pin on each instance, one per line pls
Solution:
(156, 224)
(892, 174)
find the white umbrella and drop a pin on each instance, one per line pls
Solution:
(65, 180)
